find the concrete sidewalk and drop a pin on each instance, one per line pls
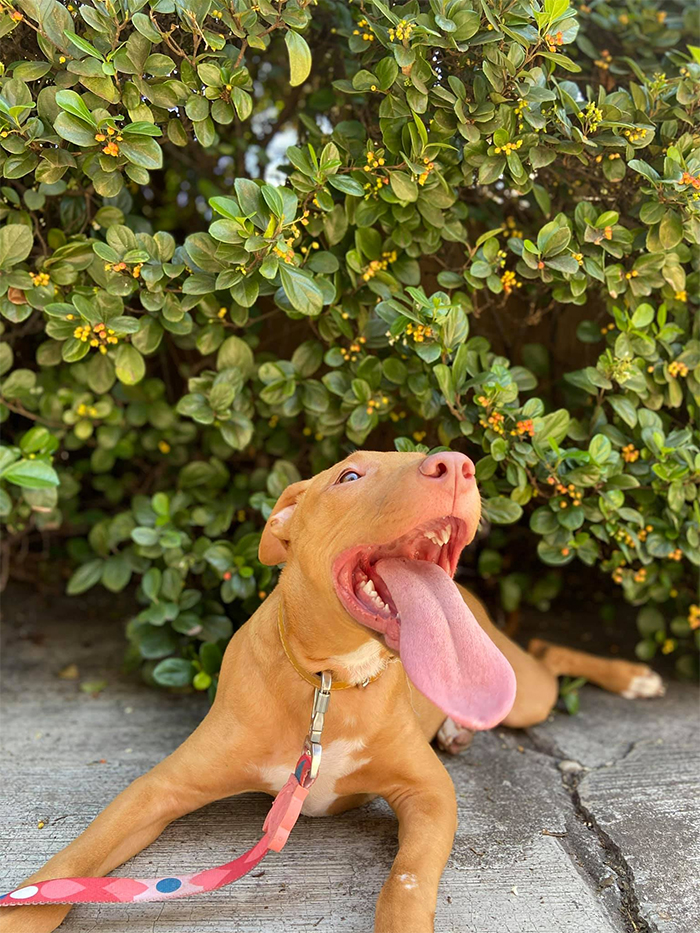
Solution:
(587, 824)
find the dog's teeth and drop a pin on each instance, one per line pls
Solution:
(446, 534)
(431, 536)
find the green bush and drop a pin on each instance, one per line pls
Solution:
(468, 182)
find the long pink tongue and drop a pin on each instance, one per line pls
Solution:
(444, 650)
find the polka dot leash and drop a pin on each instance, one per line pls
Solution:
(278, 824)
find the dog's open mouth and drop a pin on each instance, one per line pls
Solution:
(403, 591)
(361, 587)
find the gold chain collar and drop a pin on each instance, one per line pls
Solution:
(310, 678)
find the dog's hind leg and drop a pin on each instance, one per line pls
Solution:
(627, 678)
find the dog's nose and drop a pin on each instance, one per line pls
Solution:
(448, 465)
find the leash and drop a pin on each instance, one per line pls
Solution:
(278, 825)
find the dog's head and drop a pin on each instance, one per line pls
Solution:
(381, 534)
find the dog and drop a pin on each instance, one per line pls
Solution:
(369, 549)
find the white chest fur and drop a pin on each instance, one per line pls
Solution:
(339, 758)
(363, 663)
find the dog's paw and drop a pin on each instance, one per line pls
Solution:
(645, 684)
(453, 738)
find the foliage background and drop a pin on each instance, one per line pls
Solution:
(242, 238)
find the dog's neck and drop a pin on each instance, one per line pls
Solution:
(323, 639)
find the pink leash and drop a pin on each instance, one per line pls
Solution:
(278, 825)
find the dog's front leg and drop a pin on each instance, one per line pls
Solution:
(421, 793)
(203, 769)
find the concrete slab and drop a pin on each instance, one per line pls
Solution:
(538, 850)
(640, 787)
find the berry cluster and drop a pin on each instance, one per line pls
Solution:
(423, 177)
(507, 148)
(372, 190)
(373, 161)
(688, 179)
(40, 278)
(509, 281)
(694, 617)
(677, 369)
(630, 453)
(518, 111)
(512, 228)
(86, 411)
(402, 32)
(524, 427)
(286, 255)
(419, 332)
(350, 355)
(122, 267)
(494, 421)
(592, 115)
(554, 41)
(376, 403)
(364, 31)
(111, 148)
(570, 490)
(644, 532)
(99, 337)
(378, 265)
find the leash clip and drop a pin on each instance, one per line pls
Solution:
(312, 743)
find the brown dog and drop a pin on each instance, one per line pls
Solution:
(369, 548)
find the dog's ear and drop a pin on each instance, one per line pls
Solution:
(275, 536)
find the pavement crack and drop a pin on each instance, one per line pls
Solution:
(630, 907)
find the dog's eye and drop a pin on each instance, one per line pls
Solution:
(349, 477)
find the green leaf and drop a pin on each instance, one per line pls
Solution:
(346, 184)
(302, 292)
(83, 45)
(75, 130)
(236, 353)
(31, 474)
(145, 26)
(299, 58)
(16, 242)
(35, 439)
(144, 152)
(624, 408)
(85, 577)
(143, 129)
(173, 672)
(502, 511)
(403, 186)
(150, 583)
(670, 230)
(73, 103)
(116, 573)
(129, 365)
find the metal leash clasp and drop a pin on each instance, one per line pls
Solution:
(312, 743)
